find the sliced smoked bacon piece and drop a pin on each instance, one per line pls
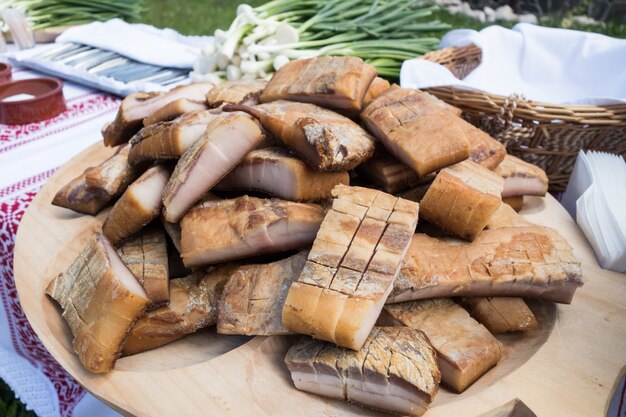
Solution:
(137, 106)
(224, 144)
(92, 190)
(236, 92)
(416, 130)
(462, 199)
(192, 306)
(173, 110)
(516, 202)
(111, 177)
(101, 300)
(531, 261)
(326, 140)
(521, 178)
(395, 371)
(484, 149)
(334, 82)
(351, 268)
(376, 88)
(146, 257)
(169, 140)
(252, 300)
(76, 195)
(392, 175)
(465, 348)
(277, 172)
(221, 230)
(501, 314)
(139, 205)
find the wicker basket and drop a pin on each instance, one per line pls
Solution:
(545, 134)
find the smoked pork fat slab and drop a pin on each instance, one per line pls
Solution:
(334, 82)
(223, 145)
(279, 173)
(416, 130)
(501, 314)
(169, 140)
(462, 198)
(192, 306)
(146, 256)
(521, 178)
(222, 230)
(531, 261)
(101, 300)
(236, 92)
(137, 106)
(395, 371)
(252, 300)
(351, 268)
(326, 140)
(465, 348)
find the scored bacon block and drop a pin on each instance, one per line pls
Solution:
(146, 257)
(390, 174)
(351, 267)
(335, 82)
(521, 178)
(253, 298)
(501, 314)
(416, 129)
(236, 92)
(465, 348)
(101, 300)
(462, 199)
(395, 371)
(521, 261)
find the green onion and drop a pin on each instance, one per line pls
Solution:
(49, 13)
(384, 33)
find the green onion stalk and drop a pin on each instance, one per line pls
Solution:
(49, 13)
(384, 33)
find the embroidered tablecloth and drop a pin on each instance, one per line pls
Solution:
(29, 155)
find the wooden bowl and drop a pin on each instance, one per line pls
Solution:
(568, 367)
(47, 100)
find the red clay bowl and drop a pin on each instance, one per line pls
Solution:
(5, 73)
(47, 102)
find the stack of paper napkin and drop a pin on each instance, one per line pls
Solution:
(596, 198)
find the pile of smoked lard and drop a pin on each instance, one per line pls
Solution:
(292, 207)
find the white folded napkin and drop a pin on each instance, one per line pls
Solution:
(143, 43)
(544, 64)
(596, 197)
(139, 42)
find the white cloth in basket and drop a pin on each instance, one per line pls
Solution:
(544, 64)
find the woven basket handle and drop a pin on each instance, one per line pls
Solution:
(460, 61)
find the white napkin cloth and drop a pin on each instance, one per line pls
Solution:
(544, 64)
(596, 197)
(143, 43)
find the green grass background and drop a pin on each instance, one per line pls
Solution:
(202, 17)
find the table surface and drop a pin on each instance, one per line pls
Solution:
(573, 373)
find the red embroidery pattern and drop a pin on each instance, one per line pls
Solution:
(39, 178)
(25, 341)
(98, 105)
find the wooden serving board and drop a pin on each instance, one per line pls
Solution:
(569, 367)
